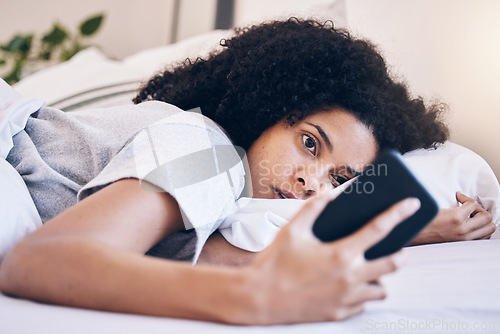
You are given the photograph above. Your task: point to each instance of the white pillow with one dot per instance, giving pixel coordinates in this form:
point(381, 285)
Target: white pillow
point(14, 113)
point(90, 79)
point(452, 168)
point(18, 212)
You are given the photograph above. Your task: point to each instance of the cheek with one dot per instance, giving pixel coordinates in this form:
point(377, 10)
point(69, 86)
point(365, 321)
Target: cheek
point(276, 164)
point(285, 156)
point(274, 154)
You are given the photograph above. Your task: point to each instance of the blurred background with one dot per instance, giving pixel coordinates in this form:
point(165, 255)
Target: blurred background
point(444, 49)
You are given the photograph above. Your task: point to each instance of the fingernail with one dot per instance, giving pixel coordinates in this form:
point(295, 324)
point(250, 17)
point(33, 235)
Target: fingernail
point(413, 203)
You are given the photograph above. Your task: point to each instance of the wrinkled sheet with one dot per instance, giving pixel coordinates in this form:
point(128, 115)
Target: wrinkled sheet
point(444, 288)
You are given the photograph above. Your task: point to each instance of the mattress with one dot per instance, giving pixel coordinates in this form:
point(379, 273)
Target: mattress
point(444, 288)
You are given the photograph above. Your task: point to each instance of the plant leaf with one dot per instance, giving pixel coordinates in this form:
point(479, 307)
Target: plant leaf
point(91, 25)
point(15, 75)
point(56, 36)
point(12, 77)
point(20, 43)
point(45, 54)
point(69, 52)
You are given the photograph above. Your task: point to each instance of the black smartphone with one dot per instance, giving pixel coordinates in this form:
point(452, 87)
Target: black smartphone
point(383, 183)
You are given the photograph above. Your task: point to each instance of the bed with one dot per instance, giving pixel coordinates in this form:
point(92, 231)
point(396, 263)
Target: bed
point(445, 288)
point(449, 287)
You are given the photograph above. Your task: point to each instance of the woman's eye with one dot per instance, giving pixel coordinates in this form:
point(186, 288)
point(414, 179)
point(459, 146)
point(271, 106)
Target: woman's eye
point(337, 180)
point(309, 143)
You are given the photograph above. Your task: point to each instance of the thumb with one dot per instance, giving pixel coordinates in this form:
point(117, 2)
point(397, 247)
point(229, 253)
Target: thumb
point(461, 198)
point(307, 215)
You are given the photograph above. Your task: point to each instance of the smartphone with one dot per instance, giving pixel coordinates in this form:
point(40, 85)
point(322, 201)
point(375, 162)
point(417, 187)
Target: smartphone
point(383, 183)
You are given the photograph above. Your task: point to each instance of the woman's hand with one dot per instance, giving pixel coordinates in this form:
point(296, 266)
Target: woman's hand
point(301, 279)
point(466, 222)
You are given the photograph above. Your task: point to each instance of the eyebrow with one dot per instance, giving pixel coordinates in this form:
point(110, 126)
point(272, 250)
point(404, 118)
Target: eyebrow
point(323, 135)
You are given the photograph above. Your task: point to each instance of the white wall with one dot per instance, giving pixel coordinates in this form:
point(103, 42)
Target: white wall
point(254, 11)
point(129, 25)
point(449, 49)
point(196, 17)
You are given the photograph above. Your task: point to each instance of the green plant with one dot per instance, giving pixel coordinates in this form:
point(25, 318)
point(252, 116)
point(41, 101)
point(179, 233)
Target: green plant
point(56, 45)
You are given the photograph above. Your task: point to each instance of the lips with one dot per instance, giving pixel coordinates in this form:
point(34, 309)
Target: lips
point(281, 194)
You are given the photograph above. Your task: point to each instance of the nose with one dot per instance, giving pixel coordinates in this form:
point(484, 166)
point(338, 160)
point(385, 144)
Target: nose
point(313, 181)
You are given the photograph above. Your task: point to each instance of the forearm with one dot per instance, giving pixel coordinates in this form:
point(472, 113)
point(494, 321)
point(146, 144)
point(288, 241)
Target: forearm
point(84, 273)
point(218, 251)
point(426, 237)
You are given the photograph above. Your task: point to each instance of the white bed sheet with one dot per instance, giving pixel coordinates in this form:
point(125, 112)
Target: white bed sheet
point(444, 288)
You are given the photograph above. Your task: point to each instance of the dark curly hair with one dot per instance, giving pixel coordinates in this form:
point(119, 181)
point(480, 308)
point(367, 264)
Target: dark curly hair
point(290, 70)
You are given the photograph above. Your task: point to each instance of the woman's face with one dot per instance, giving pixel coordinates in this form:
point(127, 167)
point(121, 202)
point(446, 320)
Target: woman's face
point(323, 150)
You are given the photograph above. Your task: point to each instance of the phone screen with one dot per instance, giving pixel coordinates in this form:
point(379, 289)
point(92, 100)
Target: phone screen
point(383, 183)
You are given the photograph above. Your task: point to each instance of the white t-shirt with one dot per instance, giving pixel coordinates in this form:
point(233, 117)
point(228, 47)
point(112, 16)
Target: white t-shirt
point(65, 157)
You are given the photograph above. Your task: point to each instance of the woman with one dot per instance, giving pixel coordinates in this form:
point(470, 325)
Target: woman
point(294, 94)
point(293, 69)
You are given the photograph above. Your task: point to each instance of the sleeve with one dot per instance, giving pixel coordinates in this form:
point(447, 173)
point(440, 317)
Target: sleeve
point(189, 157)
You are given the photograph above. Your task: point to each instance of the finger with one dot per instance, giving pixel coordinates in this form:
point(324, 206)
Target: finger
point(467, 202)
point(365, 293)
point(462, 198)
point(479, 209)
point(486, 238)
point(478, 221)
point(468, 207)
point(345, 312)
point(484, 232)
point(374, 269)
point(481, 217)
point(311, 210)
point(381, 225)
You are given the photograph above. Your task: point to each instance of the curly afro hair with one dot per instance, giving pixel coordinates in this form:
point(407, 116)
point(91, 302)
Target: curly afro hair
point(288, 70)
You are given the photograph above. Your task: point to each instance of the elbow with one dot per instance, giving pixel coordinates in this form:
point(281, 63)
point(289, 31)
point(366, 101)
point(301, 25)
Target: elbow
point(14, 270)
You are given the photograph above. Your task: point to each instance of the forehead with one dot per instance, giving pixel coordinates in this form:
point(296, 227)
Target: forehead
point(336, 116)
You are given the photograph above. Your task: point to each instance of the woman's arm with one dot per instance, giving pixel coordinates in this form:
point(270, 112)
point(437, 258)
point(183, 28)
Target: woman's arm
point(92, 256)
point(218, 251)
point(467, 222)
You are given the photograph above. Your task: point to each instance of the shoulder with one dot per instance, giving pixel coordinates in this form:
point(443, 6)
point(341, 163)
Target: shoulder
point(190, 121)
